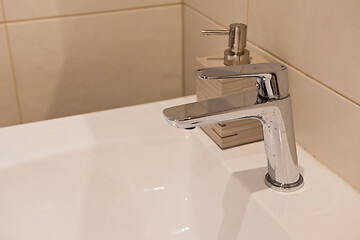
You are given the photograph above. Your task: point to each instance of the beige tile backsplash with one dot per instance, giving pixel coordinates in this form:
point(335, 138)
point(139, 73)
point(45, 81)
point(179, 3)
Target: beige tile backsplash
point(327, 125)
point(90, 62)
point(321, 38)
point(197, 45)
point(9, 113)
point(82, 64)
point(29, 9)
point(224, 12)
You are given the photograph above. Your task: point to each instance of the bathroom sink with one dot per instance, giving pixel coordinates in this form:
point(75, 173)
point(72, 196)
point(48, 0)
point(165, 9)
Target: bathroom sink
point(127, 174)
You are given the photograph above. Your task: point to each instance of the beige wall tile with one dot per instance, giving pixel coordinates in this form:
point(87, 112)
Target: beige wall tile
point(27, 9)
point(326, 124)
point(196, 45)
point(223, 12)
point(9, 114)
point(319, 37)
point(89, 63)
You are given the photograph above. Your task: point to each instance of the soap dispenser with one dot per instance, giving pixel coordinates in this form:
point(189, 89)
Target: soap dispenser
point(234, 133)
point(236, 53)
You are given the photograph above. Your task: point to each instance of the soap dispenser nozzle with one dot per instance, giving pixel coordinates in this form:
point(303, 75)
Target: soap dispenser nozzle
point(236, 53)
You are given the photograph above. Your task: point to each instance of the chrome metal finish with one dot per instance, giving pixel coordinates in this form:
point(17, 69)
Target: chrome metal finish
point(237, 37)
point(215, 32)
point(270, 104)
point(271, 183)
point(236, 53)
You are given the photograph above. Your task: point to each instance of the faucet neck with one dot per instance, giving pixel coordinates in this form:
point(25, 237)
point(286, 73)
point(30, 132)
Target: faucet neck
point(280, 145)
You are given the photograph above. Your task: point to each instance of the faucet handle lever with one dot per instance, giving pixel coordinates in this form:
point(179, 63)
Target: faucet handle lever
point(272, 82)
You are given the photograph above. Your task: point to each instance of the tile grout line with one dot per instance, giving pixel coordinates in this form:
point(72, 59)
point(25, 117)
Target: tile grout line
point(183, 85)
point(302, 72)
point(12, 65)
point(2, 21)
point(92, 13)
point(205, 16)
point(247, 12)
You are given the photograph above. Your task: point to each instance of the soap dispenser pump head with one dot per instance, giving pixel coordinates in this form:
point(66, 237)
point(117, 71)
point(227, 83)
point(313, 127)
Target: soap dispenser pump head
point(236, 54)
point(237, 37)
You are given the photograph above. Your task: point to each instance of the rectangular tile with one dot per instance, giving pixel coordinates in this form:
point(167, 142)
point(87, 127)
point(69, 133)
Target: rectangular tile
point(9, 114)
point(196, 45)
point(326, 124)
point(82, 64)
point(319, 37)
point(223, 12)
point(28, 9)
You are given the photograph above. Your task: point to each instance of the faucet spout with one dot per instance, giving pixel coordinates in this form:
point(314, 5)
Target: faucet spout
point(270, 104)
point(216, 110)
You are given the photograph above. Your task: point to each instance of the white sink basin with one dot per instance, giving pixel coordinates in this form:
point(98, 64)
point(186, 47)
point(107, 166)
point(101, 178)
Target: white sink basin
point(127, 174)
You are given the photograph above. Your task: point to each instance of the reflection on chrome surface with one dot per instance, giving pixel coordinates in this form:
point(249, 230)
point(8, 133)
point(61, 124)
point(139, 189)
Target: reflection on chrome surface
point(270, 104)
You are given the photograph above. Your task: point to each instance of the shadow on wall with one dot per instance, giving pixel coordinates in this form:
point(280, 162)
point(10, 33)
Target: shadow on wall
point(106, 61)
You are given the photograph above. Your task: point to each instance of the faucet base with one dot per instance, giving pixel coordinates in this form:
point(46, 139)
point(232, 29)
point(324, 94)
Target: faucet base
point(284, 187)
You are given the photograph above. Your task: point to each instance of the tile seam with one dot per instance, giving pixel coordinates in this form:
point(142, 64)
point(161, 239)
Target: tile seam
point(2, 12)
point(12, 65)
point(204, 15)
point(92, 13)
point(247, 12)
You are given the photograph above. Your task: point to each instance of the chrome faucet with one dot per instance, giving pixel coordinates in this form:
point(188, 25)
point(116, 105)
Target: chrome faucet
point(270, 104)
